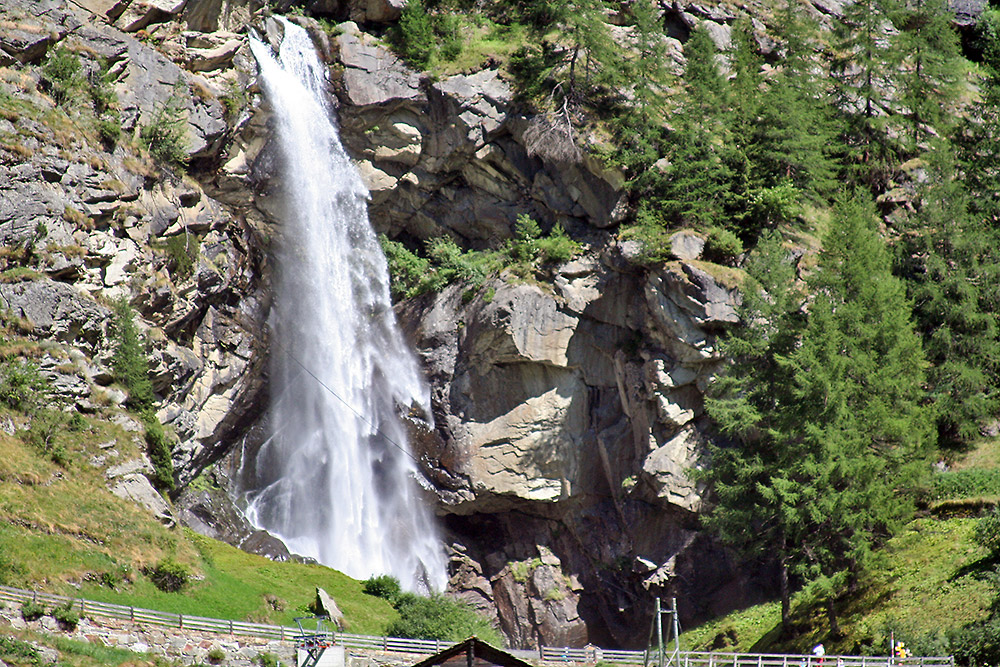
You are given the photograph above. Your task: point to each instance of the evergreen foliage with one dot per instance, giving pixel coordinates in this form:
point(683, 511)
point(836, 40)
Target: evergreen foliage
point(932, 69)
point(446, 262)
point(415, 34)
point(129, 362)
point(948, 256)
point(864, 69)
point(131, 368)
point(830, 425)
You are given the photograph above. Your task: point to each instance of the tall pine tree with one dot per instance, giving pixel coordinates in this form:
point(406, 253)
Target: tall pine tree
point(821, 451)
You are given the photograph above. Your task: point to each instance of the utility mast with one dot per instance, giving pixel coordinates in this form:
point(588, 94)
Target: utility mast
point(662, 660)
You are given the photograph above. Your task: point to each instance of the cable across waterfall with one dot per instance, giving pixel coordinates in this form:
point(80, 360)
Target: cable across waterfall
point(335, 480)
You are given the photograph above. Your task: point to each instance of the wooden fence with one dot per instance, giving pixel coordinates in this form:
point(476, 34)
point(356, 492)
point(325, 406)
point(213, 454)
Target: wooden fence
point(546, 654)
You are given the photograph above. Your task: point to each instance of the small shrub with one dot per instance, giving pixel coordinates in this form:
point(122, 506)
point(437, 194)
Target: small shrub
point(43, 435)
point(216, 655)
point(268, 660)
point(164, 136)
point(383, 586)
point(411, 274)
point(21, 385)
point(31, 610)
point(415, 34)
point(67, 617)
point(169, 576)
point(19, 652)
point(439, 617)
point(76, 423)
point(234, 100)
point(63, 74)
point(557, 247)
point(160, 453)
point(183, 250)
point(109, 128)
point(722, 245)
point(776, 204)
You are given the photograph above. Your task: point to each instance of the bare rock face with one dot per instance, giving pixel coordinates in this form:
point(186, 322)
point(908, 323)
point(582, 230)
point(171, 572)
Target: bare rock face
point(566, 422)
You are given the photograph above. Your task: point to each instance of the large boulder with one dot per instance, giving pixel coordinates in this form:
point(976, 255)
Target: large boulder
point(56, 311)
point(154, 90)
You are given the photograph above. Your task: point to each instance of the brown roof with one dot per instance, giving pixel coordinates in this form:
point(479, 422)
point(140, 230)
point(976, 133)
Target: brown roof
point(472, 653)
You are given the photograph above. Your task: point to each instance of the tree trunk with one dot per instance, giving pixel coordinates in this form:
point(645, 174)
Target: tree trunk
point(831, 615)
point(786, 598)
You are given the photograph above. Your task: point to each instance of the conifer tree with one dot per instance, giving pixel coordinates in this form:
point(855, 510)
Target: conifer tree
point(821, 451)
point(696, 186)
point(747, 402)
point(978, 139)
point(949, 259)
point(796, 132)
point(932, 69)
point(864, 69)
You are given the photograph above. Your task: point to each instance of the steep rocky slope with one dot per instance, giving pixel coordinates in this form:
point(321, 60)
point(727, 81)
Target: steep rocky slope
point(566, 411)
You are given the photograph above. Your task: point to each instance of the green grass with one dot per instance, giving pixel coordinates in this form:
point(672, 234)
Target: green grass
point(483, 41)
point(738, 631)
point(17, 650)
point(62, 531)
point(245, 587)
point(931, 580)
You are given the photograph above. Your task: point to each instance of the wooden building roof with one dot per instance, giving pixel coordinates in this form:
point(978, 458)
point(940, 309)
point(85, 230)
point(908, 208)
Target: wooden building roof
point(472, 653)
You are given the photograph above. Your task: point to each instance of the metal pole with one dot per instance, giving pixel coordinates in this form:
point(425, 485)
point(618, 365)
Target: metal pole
point(677, 627)
point(659, 633)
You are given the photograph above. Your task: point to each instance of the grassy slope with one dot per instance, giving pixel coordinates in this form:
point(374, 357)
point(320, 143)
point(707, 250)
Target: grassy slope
point(932, 579)
point(62, 531)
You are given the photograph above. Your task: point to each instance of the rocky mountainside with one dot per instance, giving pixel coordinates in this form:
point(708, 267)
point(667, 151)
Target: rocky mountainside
point(567, 411)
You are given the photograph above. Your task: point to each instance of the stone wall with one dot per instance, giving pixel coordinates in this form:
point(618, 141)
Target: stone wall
point(184, 645)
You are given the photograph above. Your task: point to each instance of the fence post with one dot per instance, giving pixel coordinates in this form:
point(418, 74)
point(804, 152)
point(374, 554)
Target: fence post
point(180, 621)
point(131, 614)
point(230, 626)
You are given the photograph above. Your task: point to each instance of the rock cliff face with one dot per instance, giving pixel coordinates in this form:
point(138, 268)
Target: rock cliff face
point(567, 411)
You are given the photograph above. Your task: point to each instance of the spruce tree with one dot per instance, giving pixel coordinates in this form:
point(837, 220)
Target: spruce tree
point(932, 67)
point(821, 451)
point(696, 186)
point(949, 259)
point(864, 68)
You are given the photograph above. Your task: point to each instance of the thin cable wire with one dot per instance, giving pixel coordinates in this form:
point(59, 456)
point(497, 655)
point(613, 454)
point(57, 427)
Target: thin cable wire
point(348, 405)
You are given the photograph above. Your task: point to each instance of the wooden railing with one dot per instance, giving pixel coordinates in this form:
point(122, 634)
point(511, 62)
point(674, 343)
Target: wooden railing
point(547, 654)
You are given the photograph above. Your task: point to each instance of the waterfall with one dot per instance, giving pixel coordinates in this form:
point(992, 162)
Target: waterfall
point(335, 480)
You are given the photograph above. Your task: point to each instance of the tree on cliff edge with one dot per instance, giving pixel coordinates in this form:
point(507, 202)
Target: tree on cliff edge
point(828, 422)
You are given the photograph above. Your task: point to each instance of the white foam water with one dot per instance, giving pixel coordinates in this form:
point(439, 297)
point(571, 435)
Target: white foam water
point(335, 481)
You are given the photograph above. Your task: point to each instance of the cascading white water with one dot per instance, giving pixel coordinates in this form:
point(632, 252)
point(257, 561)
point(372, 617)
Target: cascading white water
point(334, 480)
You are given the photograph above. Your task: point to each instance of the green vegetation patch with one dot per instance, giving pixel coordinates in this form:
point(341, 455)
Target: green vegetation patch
point(233, 584)
point(932, 580)
point(963, 484)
